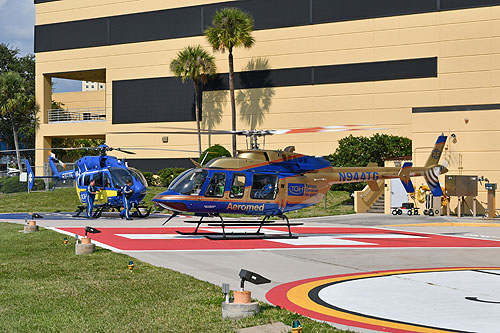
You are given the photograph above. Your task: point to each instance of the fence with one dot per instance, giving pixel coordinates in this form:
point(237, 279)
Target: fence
point(77, 115)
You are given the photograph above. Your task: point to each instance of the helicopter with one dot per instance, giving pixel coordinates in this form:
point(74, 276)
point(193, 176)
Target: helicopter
point(271, 183)
point(110, 175)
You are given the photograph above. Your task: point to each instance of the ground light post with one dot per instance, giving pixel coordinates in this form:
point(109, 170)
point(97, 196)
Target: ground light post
point(242, 306)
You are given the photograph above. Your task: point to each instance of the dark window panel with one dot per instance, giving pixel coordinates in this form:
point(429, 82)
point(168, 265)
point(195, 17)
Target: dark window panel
point(267, 14)
point(325, 11)
point(71, 35)
point(451, 108)
point(273, 78)
point(152, 100)
point(458, 4)
point(376, 71)
point(262, 79)
point(42, 1)
point(188, 21)
point(170, 100)
point(157, 25)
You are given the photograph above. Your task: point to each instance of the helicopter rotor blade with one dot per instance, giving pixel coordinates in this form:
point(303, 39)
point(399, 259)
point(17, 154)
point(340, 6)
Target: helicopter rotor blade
point(337, 128)
point(162, 149)
point(46, 149)
point(125, 151)
point(249, 133)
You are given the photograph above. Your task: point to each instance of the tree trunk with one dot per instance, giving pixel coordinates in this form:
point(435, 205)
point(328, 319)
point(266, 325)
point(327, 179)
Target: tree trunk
point(16, 145)
point(197, 113)
point(233, 103)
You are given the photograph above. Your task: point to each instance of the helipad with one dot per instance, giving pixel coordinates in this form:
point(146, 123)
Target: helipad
point(418, 300)
point(167, 239)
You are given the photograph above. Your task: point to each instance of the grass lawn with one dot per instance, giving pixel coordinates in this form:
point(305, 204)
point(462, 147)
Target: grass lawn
point(66, 200)
point(61, 199)
point(44, 287)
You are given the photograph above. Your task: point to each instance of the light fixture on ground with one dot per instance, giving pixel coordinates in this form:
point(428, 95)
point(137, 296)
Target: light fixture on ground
point(131, 265)
point(85, 246)
point(296, 327)
point(242, 306)
point(30, 226)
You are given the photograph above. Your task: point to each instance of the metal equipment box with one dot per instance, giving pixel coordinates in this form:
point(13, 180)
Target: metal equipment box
point(461, 186)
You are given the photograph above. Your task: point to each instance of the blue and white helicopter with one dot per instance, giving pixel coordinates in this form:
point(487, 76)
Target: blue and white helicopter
point(110, 175)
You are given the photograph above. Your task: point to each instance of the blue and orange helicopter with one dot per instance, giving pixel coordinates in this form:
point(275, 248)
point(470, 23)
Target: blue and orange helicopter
point(271, 183)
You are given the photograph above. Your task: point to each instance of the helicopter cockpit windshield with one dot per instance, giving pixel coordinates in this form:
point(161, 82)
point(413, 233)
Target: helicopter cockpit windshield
point(191, 182)
point(139, 176)
point(119, 176)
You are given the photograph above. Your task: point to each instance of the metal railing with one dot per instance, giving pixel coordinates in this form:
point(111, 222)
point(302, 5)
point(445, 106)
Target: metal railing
point(77, 115)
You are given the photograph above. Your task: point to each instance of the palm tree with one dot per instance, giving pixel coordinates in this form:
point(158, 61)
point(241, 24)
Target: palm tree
point(231, 27)
point(15, 102)
point(195, 63)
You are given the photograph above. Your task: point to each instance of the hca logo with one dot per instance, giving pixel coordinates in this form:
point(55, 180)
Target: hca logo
point(295, 189)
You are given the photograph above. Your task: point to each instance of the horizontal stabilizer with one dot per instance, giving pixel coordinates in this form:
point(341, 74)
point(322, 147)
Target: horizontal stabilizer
point(404, 175)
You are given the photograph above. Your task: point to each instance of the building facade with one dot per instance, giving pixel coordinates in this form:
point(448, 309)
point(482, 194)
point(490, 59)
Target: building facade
point(413, 68)
point(92, 86)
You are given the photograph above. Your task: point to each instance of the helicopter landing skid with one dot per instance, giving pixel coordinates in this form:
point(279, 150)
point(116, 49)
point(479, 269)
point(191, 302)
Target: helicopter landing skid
point(231, 236)
point(241, 235)
point(138, 212)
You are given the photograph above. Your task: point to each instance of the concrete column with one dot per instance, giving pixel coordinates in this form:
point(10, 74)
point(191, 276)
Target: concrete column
point(43, 93)
point(41, 156)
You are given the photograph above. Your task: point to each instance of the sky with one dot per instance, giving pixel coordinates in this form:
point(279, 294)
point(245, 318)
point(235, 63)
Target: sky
point(17, 21)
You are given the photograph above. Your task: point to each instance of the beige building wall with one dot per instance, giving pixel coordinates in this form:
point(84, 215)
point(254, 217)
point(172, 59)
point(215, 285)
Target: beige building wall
point(81, 99)
point(465, 42)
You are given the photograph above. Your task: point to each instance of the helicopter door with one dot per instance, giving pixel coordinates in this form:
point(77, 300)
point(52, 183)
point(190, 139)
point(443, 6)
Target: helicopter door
point(101, 196)
point(264, 187)
point(238, 186)
point(216, 185)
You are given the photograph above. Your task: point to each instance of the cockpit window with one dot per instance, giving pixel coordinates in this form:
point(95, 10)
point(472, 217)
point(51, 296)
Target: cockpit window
point(264, 187)
point(176, 179)
point(216, 186)
point(139, 176)
point(191, 182)
point(119, 176)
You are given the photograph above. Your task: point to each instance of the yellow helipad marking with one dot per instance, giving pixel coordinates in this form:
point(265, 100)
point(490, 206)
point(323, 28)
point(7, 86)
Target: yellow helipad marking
point(447, 224)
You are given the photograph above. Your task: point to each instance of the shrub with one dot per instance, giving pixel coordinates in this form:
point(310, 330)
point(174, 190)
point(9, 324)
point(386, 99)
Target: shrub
point(359, 151)
point(13, 185)
point(168, 175)
point(149, 178)
point(215, 151)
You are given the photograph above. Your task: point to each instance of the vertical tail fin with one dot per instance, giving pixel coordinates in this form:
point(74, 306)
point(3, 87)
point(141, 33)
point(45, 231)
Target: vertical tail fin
point(436, 151)
point(52, 163)
point(431, 176)
point(404, 175)
point(31, 176)
point(433, 169)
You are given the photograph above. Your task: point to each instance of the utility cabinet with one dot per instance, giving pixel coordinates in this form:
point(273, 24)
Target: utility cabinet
point(461, 186)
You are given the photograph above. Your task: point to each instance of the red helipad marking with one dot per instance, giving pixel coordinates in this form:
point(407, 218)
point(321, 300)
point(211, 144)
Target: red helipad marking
point(166, 239)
